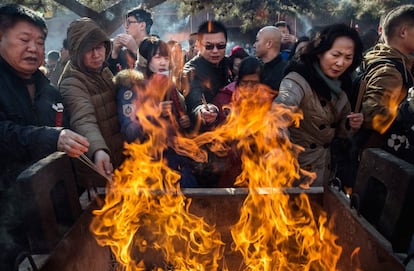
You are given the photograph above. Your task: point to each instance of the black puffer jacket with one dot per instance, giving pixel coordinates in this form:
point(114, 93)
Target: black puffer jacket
point(27, 130)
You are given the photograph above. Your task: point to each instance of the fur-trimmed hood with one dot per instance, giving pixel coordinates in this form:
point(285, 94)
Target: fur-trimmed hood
point(128, 78)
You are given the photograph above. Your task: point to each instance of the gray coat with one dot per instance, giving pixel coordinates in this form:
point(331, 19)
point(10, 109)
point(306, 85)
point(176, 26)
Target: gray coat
point(320, 124)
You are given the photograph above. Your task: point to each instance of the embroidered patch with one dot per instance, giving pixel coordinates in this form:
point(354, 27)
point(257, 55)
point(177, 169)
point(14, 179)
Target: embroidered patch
point(127, 109)
point(128, 95)
point(58, 107)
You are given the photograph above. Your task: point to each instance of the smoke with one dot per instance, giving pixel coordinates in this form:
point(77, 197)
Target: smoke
point(57, 27)
point(167, 26)
point(305, 23)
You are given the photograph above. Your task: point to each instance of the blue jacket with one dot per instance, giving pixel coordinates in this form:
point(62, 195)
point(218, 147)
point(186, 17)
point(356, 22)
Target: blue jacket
point(131, 129)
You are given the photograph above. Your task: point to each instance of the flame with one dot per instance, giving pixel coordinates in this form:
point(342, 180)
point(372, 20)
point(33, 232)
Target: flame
point(145, 211)
point(390, 101)
point(355, 258)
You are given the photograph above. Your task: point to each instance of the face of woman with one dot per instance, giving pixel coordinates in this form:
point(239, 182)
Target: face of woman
point(336, 60)
point(23, 47)
point(249, 80)
point(251, 88)
point(159, 64)
point(95, 57)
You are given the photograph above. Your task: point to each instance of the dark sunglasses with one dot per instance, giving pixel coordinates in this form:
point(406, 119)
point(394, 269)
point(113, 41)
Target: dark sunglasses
point(219, 46)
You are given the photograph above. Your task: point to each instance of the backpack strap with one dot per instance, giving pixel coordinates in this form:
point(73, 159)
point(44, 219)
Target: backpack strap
point(407, 80)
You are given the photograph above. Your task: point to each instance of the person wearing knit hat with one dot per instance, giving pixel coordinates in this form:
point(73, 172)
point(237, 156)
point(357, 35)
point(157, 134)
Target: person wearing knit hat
point(89, 93)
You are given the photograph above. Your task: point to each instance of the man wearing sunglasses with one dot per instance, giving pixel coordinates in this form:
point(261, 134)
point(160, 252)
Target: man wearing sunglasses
point(209, 72)
point(138, 22)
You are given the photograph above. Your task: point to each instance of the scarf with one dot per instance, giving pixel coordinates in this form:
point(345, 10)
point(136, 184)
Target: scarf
point(333, 84)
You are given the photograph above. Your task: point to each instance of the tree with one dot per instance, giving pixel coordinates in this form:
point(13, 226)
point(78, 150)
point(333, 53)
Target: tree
point(366, 12)
point(252, 13)
point(106, 13)
point(248, 13)
point(109, 17)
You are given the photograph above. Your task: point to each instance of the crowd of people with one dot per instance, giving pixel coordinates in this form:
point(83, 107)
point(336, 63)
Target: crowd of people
point(86, 103)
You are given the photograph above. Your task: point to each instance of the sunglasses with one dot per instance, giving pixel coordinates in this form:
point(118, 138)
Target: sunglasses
point(219, 46)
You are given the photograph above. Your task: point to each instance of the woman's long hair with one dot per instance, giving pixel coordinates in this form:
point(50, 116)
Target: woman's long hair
point(324, 40)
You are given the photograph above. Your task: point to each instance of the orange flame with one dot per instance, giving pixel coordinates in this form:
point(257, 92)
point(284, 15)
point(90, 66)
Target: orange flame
point(145, 212)
point(138, 218)
point(355, 258)
point(382, 121)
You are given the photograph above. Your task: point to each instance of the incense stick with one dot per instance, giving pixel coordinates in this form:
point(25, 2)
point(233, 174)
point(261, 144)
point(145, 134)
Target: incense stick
point(204, 101)
point(88, 162)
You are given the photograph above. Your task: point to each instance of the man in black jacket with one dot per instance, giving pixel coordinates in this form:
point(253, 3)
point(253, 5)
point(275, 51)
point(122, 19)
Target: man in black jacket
point(267, 46)
point(209, 72)
point(31, 118)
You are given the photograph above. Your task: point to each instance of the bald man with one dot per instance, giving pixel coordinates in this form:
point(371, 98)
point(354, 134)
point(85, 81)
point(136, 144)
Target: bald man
point(267, 49)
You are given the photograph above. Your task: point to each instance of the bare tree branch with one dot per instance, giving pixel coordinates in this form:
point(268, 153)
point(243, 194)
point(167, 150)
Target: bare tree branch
point(111, 18)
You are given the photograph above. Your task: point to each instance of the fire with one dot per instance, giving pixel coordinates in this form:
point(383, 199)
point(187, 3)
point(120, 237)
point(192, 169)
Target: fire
point(382, 121)
point(145, 211)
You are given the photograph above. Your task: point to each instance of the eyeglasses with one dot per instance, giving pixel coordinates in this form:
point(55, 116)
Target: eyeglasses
point(219, 46)
point(128, 22)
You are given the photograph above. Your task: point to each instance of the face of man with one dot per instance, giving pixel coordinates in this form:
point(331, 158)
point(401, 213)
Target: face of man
point(23, 47)
point(408, 39)
point(213, 47)
point(134, 28)
point(94, 58)
point(51, 63)
point(260, 44)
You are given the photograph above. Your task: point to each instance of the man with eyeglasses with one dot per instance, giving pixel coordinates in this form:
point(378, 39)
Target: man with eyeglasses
point(209, 72)
point(137, 25)
point(267, 49)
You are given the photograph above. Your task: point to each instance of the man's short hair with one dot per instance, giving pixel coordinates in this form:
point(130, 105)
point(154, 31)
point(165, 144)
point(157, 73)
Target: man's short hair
point(400, 15)
point(10, 14)
point(53, 55)
point(211, 27)
point(142, 15)
point(283, 24)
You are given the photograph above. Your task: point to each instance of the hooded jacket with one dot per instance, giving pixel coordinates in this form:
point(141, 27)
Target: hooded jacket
point(90, 95)
point(384, 89)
